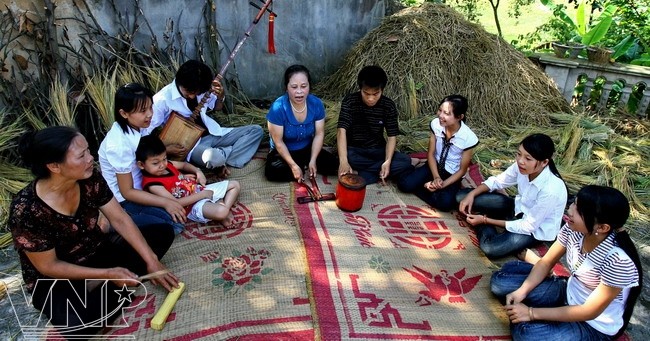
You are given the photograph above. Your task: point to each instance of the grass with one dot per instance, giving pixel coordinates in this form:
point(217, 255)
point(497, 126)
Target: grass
point(532, 16)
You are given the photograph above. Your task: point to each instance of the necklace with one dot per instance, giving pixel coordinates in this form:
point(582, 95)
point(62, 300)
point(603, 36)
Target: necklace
point(296, 110)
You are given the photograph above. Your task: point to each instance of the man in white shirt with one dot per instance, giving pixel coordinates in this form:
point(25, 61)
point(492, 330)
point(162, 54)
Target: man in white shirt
point(218, 146)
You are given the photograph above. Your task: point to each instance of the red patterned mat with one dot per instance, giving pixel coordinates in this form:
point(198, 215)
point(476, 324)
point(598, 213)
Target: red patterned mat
point(396, 269)
point(245, 283)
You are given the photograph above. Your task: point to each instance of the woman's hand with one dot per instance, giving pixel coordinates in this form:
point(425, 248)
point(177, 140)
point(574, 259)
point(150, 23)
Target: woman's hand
point(433, 185)
point(122, 276)
point(476, 219)
point(168, 280)
point(465, 205)
point(312, 168)
point(515, 297)
point(297, 172)
point(518, 312)
point(176, 210)
point(200, 177)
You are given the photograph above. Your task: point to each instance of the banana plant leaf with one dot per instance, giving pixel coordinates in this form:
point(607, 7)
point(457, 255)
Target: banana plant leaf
point(598, 32)
point(622, 47)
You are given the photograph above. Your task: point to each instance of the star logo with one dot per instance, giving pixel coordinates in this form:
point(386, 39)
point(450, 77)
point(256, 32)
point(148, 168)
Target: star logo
point(125, 294)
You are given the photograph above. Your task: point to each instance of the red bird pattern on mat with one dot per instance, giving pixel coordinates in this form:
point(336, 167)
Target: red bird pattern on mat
point(441, 285)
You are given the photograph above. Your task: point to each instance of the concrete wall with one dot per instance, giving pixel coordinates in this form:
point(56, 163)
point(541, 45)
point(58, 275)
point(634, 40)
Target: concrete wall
point(314, 33)
point(565, 73)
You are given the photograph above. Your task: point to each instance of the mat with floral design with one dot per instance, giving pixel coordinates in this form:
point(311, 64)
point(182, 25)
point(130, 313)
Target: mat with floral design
point(243, 283)
point(396, 269)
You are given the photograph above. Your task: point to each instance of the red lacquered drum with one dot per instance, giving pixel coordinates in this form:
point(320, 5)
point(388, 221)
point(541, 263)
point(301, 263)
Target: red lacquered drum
point(350, 192)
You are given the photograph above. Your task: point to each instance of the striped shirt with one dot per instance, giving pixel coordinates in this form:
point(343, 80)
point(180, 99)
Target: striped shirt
point(364, 125)
point(607, 264)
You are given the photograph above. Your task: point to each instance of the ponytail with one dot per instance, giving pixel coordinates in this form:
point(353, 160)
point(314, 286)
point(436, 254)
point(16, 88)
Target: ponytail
point(554, 170)
point(625, 243)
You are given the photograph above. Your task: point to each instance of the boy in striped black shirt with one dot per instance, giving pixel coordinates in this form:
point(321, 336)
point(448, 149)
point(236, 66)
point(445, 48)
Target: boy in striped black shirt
point(364, 117)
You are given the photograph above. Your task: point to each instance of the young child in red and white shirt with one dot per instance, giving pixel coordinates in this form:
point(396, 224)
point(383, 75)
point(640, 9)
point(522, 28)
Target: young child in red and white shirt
point(163, 177)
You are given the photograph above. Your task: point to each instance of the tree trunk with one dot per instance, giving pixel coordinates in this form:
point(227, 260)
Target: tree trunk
point(495, 7)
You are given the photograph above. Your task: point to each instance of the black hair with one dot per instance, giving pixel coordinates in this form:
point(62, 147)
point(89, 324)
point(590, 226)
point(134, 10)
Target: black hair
point(458, 104)
point(149, 146)
point(40, 148)
point(130, 98)
point(194, 76)
point(372, 76)
point(541, 147)
point(607, 205)
point(292, 70)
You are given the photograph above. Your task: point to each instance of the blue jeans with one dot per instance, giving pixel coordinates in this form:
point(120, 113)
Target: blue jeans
point(234, 149)
point(494, 205)
point(147, 215)
point(551, 292)
point(367, 162)
point(442, 199)
point(501, 207)
point(497, 245)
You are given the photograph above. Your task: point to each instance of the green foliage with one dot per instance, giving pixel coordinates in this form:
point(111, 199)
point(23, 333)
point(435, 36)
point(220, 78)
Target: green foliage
point(516, 7)
point(623, 46)
point(623, 24)
point(469, 8)
point(555, 29)
point(410, 3)
point(582, 26)
point(644, 60)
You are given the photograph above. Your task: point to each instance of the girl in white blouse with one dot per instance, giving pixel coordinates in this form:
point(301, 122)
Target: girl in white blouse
point(133, 114)
point(596, 301)
point(451, 147)
point(534, 215)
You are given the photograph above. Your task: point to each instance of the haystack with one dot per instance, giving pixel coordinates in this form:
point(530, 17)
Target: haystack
point(432, 51)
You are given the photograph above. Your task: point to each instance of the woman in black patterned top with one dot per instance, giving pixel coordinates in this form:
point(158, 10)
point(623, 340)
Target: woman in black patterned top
point(54, 224)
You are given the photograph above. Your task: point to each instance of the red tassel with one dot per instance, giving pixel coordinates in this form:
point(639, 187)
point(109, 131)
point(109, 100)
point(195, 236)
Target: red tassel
point(271, 40)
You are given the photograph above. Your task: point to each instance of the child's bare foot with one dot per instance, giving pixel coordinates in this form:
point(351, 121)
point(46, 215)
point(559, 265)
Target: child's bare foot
point(528, 256)
point(229, 221)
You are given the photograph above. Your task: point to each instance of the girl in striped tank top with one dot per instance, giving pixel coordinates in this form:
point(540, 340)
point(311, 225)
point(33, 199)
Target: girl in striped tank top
point(596, 301)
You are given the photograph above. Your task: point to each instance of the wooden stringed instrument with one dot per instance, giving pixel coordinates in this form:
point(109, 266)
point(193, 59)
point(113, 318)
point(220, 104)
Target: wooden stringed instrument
point(184, 131)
